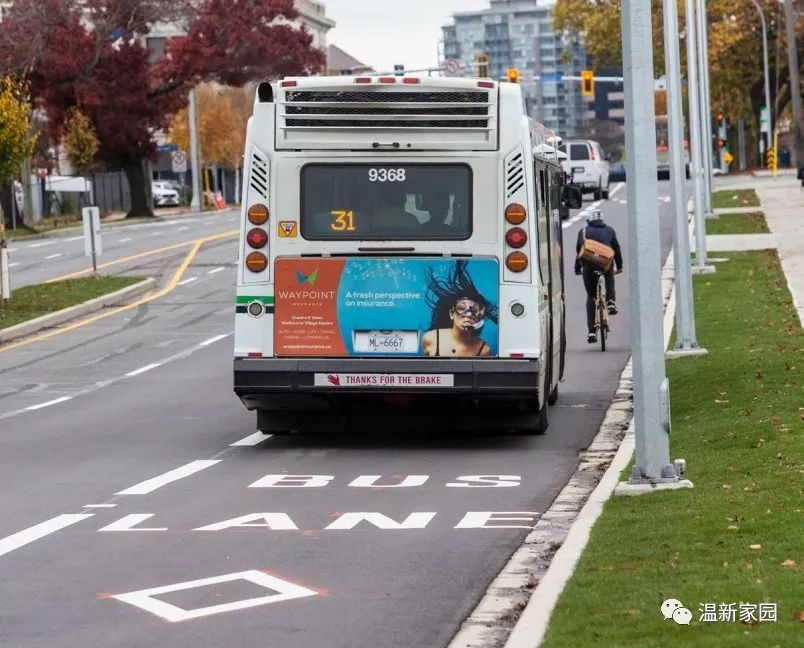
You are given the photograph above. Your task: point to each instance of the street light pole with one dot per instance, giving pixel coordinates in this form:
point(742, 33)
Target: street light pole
point(686, 342)
point(651, 390)
point(195, 202)
point(765, 64)
point(792, 58)
point(705, 104)
point(696, 131)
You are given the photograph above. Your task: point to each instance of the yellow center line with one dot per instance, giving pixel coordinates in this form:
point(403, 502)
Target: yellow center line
point(121, 309)
point(141, 255)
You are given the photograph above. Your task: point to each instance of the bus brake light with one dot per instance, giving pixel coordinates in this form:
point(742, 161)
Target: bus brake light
point(258, 237)
point(516, 237)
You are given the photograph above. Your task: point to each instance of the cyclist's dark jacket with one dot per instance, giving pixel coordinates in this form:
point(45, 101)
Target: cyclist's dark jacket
point(602, 233)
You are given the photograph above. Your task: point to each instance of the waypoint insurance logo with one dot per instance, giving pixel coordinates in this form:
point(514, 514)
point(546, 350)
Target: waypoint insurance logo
point(674, 609)
point(309, 279)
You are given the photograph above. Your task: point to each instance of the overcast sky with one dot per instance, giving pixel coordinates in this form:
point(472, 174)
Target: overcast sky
point(381, 33)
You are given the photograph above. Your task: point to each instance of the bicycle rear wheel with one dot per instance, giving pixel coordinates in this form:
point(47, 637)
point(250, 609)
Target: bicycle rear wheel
point(603, 329)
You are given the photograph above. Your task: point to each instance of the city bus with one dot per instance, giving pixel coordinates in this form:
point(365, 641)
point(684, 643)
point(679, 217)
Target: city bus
point(400, 254)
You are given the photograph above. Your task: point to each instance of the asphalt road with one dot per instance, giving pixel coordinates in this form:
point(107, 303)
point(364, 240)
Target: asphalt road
point(139, 508)
point(36, 260)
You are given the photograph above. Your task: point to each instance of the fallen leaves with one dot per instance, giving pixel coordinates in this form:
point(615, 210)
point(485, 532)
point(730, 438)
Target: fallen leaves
point(789, 563)
point(755, 546)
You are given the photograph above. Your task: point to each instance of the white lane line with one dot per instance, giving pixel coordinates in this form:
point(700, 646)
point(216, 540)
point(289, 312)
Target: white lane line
point(184, 282)
point(11, 265)
point(181, 229)
point(124, 240)
point(74, 238)
point(150, 485)
point(53, 256)
point(214, 270)
point(99, 505)
point(26, 536)
point(142, 370)
point(38, 245)
point(617, 187)
point(252, 439)
point(49, 403)
point(212, 340)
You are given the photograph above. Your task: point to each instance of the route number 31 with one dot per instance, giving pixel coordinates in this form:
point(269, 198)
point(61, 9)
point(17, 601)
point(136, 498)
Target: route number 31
point(344, 221)
point(386, 175)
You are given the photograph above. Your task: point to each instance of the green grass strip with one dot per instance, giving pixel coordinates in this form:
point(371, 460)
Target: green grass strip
point(34, 301)
point(753, 223)
point(734, 198)
point(737, 536)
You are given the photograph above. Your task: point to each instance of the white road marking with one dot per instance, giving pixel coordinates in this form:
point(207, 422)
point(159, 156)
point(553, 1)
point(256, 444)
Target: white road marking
point(99, 505)
point(252, 439)
point(142, 370)
point(26, 536)
point(74, 238)
point(150, 485)
point(214, 270)
point(53, 256)
point(129, 523)
point(184, 282)
point(38, 245)
point(124, 240)
point(49, 403)
point(282, 591)
point(186, 227)
point(11, 265)
point(212, 340)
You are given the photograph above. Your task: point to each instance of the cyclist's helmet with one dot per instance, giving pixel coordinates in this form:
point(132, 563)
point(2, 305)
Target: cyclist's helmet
point(594, 216)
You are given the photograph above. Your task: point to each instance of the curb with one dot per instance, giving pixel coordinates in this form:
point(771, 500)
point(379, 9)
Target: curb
point(516, 608)
point(52, 320)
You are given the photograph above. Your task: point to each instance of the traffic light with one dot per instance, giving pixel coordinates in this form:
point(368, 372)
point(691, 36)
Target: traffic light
point(513, 75)
point(588, 83)
point(482, 62)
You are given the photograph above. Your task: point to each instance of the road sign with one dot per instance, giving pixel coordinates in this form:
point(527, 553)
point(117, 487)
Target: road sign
point(764, 120)
point(728, 157)
point(167, 147)
point(179, 161)
point(92, 234)
point(551, 78)
point(451, 66)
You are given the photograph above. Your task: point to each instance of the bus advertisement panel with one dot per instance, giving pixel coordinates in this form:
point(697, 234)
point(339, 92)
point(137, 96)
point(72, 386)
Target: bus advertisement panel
point(403, 307)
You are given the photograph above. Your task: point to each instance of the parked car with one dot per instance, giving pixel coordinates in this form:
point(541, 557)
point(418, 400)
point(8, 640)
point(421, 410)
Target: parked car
point(587, 166)
point(617, 172)
point(164, 194)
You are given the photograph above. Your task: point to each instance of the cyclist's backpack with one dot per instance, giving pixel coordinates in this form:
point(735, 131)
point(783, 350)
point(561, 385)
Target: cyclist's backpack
point(595, 253)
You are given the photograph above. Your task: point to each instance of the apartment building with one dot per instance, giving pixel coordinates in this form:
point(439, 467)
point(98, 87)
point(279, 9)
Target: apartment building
point(519, 34)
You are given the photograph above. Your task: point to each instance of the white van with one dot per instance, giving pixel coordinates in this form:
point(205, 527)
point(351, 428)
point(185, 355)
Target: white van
point(588, 167)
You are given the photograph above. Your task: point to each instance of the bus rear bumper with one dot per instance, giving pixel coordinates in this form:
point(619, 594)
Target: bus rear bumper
point(274, 383)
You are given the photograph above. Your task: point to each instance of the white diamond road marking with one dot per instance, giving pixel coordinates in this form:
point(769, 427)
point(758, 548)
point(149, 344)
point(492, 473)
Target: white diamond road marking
point(145, 599)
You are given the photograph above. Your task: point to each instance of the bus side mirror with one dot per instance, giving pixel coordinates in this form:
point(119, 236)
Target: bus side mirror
point(571, 196)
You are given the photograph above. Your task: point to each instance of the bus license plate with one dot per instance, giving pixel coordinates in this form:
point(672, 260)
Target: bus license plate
point(386, 341)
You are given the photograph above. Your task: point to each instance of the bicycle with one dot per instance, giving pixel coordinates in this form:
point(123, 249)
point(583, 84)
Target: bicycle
point(601, 310)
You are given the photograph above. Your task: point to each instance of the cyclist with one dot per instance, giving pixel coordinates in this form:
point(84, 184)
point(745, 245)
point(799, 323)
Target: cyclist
point(597, 230)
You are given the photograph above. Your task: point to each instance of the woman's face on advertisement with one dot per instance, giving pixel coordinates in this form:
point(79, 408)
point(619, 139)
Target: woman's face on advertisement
point(467, 313)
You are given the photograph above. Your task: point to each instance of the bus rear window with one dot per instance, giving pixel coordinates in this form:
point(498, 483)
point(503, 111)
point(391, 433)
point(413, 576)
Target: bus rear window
point(386, 201)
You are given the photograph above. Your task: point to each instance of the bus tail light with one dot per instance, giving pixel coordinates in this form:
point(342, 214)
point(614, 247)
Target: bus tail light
point(515, 214)
point(258, 237)
point(485, 84)
point(362, 79)
point(388, 79)
point(516, 237)
point(289, 84)
point(516, 261)
point(411, 80)
point(258, 214)
point(256, 262)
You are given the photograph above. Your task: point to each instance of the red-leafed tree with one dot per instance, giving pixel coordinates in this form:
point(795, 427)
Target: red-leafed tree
point(92, 55)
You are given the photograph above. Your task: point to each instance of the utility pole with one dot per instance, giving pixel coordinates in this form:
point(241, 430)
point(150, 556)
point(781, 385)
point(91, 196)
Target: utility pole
point(686, 342)
point(651, 390)
point(795, 83)
point(195, 178)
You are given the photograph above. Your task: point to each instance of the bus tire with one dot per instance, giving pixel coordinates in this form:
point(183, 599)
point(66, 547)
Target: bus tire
point(537, 422)
point(552, 399)
point(598, 193)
